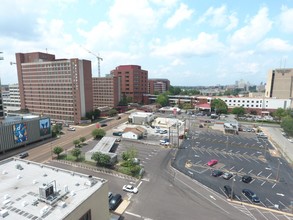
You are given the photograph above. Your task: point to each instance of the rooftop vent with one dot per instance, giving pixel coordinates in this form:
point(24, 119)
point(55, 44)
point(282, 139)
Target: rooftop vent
point(4, 172)
point(19, 177)
point(3, 213)
point(19, 167)
point(6, 196)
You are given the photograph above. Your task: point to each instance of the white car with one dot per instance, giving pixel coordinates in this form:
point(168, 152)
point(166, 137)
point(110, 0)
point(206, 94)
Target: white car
point(71, 129)
point(130, 188)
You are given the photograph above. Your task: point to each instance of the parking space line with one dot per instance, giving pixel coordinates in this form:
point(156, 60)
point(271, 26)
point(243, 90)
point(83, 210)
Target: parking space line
point(274, 185)
point(254, 160)
point(232, 168)
point(270, 202)
point(209, 153)
point(245, 153)
point(269, 175)
point(263, 183)
point(284, 205)
point(223, 155)
point(250, 171)
point(245, 159)
point(252, 154)
point(215, 154)
point(238, 157)
point(237, 152)
point(252, 181)
point(259, 173)
point(216, 148)
point(240, 170)
point(198, 162)
point(262, 204)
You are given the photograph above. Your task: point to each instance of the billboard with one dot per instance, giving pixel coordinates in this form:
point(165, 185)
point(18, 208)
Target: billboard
point(45, 126)
point(20, 132)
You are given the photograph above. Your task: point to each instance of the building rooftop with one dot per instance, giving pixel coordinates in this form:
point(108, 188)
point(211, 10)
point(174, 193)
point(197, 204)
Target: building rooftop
point(36, 191)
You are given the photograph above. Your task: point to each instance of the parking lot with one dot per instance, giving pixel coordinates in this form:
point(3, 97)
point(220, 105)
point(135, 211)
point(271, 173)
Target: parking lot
point(242, 154)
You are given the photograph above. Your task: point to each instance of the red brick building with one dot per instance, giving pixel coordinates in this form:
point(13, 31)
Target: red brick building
point(59, 88)
point(106, 91)
point(158, 85)
point(134, 82)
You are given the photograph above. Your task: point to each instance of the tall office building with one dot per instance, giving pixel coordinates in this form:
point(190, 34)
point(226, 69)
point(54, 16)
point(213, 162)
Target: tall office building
point(158, 85)
point(106, 91)
point(11, 99)
point(134, 82)
point(280, 84)
point(59, 88)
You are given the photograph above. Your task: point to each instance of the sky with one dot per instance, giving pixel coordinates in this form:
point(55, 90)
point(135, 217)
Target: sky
point(191, 42)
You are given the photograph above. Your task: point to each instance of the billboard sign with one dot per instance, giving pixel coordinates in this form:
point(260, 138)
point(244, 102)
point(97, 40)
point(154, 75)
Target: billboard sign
point(20, 132)
point(45, 126)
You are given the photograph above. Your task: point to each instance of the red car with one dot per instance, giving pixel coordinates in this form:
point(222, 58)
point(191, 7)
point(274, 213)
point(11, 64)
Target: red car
point(212, 162)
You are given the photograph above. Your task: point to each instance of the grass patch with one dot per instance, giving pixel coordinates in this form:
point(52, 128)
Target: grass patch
point(69, 157)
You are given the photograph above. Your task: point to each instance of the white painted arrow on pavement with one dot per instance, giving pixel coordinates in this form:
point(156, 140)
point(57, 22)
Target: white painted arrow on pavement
point(280, 194)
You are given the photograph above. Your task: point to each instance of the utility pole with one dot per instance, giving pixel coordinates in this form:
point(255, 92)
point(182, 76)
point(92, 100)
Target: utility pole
point(98, 58)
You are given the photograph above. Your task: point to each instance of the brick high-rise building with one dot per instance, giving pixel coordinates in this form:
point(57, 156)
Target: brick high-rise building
point(59, 88)
point(134, 82)
point(158, 85)
point(106, 91)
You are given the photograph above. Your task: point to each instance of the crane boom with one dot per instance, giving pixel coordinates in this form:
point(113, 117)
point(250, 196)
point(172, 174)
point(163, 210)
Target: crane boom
point(98, 58)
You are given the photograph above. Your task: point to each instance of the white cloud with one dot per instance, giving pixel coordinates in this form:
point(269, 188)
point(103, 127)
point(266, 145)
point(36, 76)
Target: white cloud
point(286, 19)
point(181, 14)
point(177, 62)
point(276, 45)
point(219, 17)
point(205, 44)
point(254, 31)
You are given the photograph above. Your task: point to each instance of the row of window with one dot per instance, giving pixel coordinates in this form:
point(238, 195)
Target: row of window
point(243, 101)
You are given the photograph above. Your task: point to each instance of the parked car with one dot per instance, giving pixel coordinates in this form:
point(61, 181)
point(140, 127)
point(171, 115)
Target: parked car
point(130, 188)
point(163, 131)
point(23, 155)
point(228, 191)
point(217, 173)
point(212, 162)
point(246, 179)
point(104, 125)
point(118, 133)
point(227, 176)
point(251, 195)
point(115, 201)
point(71, 129)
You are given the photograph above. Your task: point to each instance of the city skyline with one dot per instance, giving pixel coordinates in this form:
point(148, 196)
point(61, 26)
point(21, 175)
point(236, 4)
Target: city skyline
point(190, 44)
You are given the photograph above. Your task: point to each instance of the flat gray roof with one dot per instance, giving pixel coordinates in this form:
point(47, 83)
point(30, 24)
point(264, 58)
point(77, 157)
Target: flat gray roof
point(20, 183)
point(104, 145)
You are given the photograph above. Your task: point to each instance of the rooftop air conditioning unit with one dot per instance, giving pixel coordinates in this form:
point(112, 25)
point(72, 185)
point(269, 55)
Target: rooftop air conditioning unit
point(3, 213)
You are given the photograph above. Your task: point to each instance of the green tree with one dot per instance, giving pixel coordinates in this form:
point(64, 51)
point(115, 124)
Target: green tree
point(56, 130)
point(219, 106)
point(239, 111)
point(287, 125)
point(129, 154)
point(112, 112)
point(162, 99)
point(57, 150)
point(76, 152)
point(76, 143)
point(280, 113)
point(102, 159)
point(82, 139)
point(98, 133)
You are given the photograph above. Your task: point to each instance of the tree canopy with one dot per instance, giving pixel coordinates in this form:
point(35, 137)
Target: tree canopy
point(57, 150)
point(239, 111)
point(102, 159)
point(76, 152)
point(162, 99)
point(219, 106)
point(98, 133)
point(287, 125)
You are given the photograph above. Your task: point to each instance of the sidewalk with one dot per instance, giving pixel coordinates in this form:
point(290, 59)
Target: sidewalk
point(280, 142)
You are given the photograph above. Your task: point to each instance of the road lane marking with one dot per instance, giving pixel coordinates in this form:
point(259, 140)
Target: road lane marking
point(213, 197)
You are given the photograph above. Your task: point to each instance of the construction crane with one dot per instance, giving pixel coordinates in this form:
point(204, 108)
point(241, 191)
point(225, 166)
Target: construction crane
point(98, 58)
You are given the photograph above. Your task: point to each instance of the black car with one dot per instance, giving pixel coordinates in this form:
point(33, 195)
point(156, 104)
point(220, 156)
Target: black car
point(217, 173)
point(104, 125)
point(246, 179)
point(23, 155)
point(251, 195)
point(228, 191)
point(115, 201)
